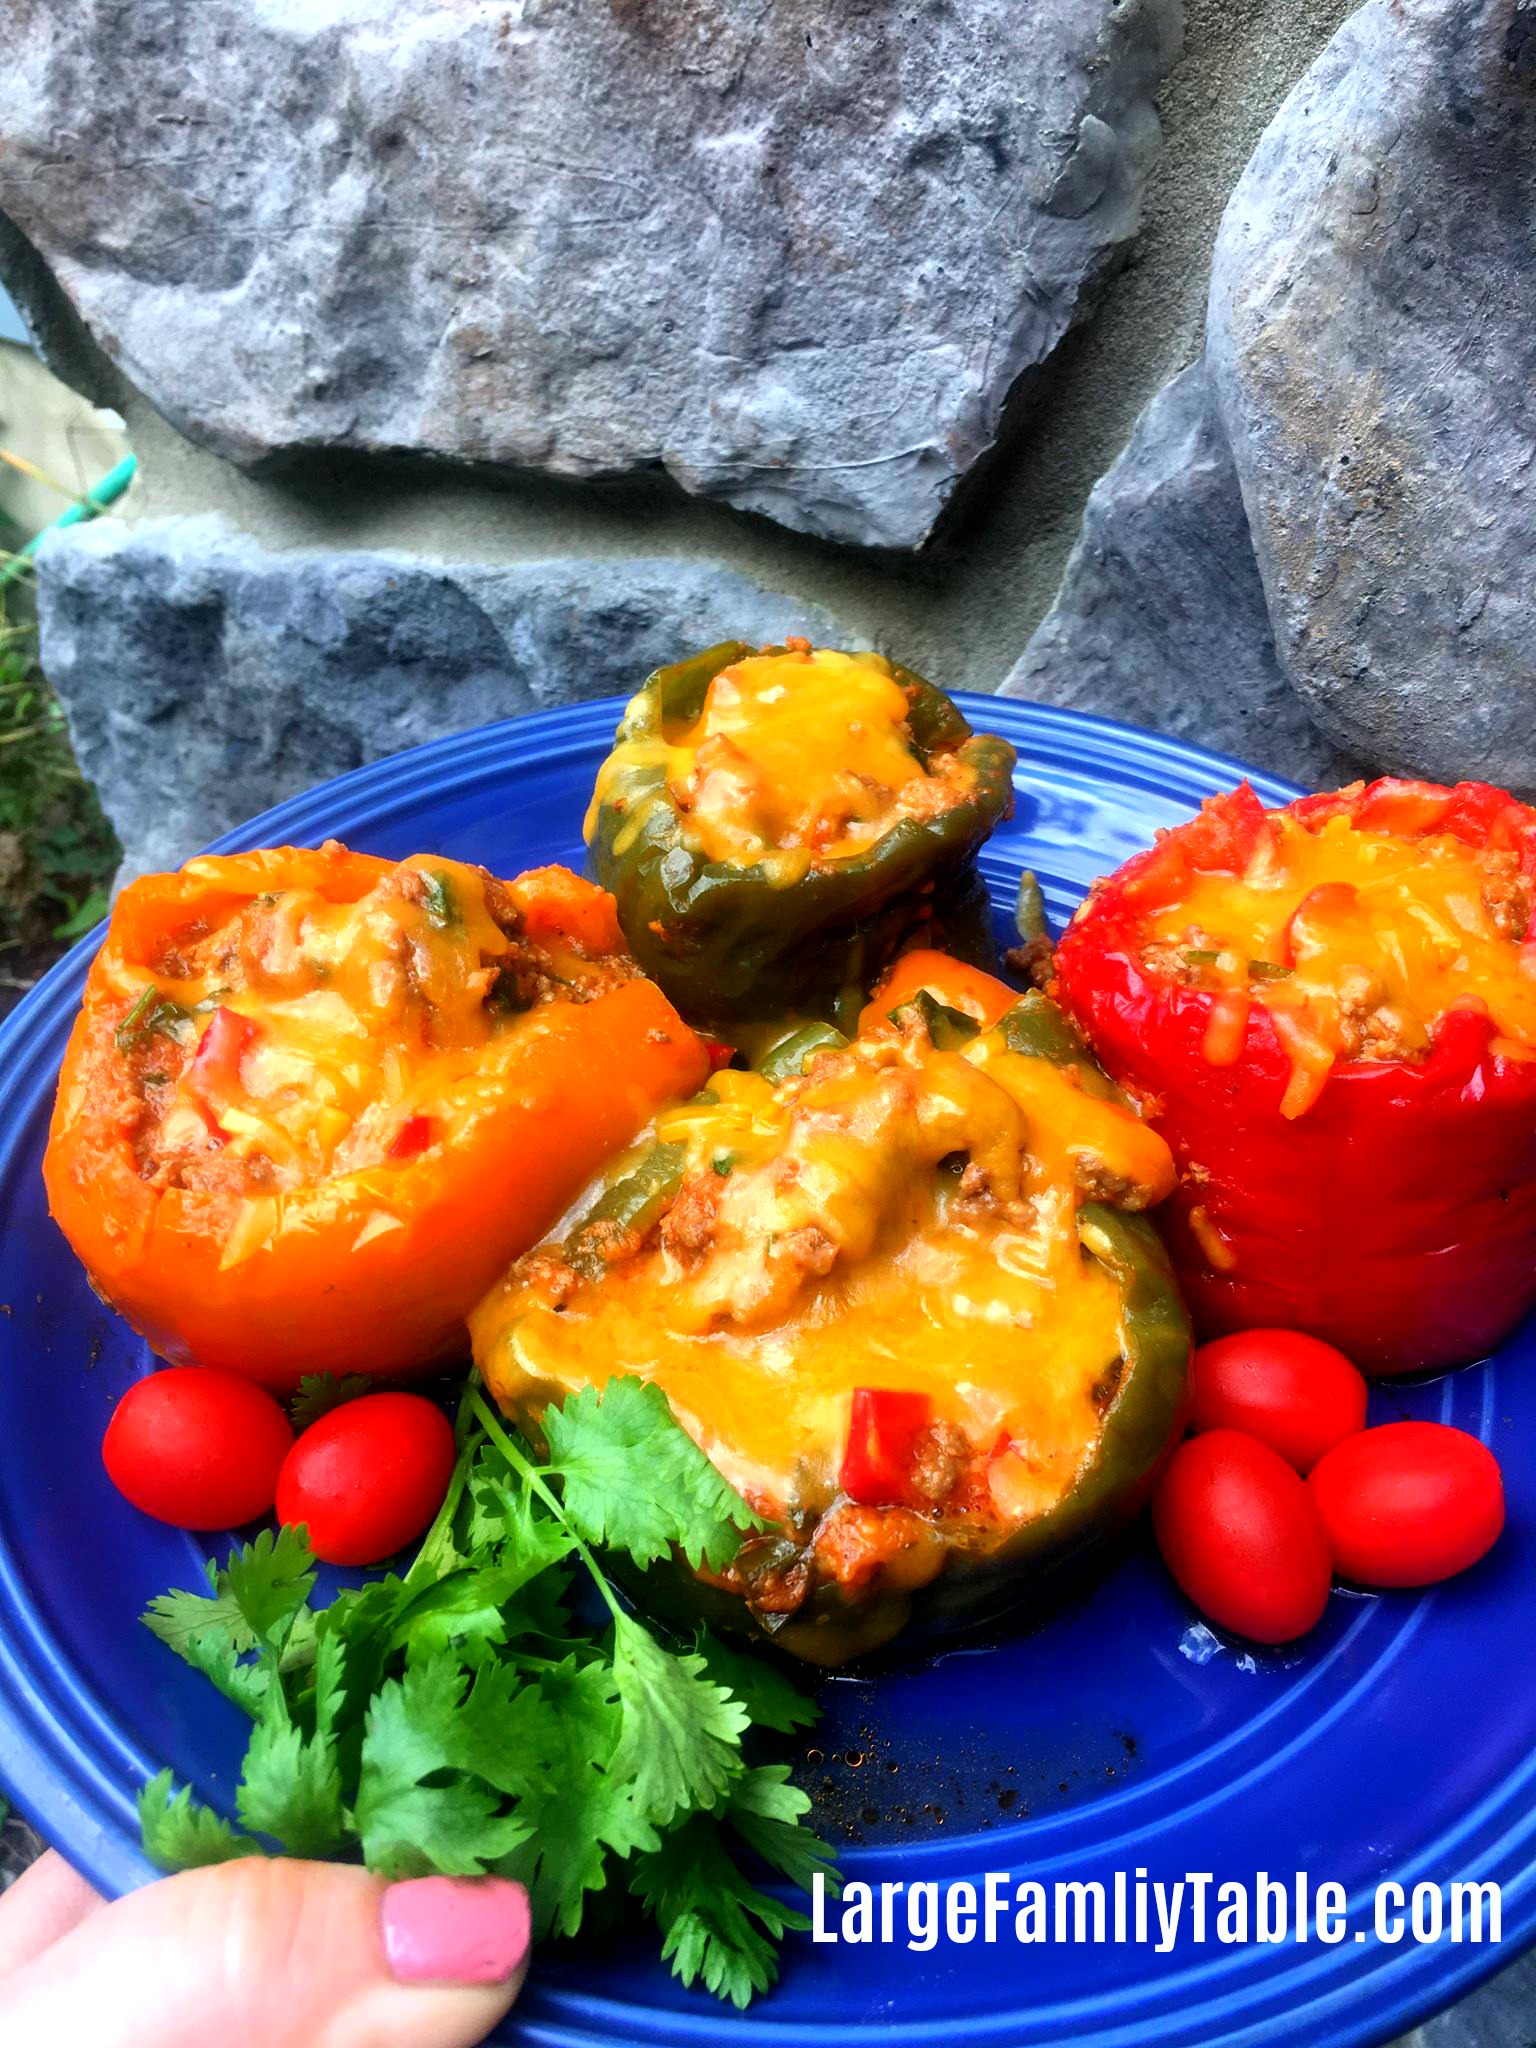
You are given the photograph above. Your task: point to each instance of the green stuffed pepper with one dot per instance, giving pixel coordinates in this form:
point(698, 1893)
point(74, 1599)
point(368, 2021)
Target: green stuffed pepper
point(776, 825)
point(899, 1293)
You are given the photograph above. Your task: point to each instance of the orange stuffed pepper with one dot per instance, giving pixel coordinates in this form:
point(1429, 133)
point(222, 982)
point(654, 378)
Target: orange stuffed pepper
point(315, 1102)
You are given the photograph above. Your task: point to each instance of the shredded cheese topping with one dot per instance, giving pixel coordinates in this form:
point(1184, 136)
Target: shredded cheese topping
point(897, 1217)
point(299, 1037)
point(1357, 943)
point(796, 759)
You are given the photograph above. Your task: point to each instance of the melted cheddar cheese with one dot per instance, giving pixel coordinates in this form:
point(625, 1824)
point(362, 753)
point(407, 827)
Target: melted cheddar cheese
point(299, 1037)
point(895, 1217)
point(796, 758)
point(1356, 942)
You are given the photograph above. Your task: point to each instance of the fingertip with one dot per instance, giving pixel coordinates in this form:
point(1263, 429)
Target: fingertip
point(44, 1903)
point(455, 1930)
point(287, 1954)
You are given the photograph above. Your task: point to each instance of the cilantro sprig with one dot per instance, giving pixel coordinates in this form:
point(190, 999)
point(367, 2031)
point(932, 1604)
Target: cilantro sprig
point(470, 1715)
point(320, 1392)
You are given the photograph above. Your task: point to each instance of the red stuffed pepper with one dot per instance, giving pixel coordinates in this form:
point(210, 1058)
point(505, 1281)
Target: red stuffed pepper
point(1332, 1010)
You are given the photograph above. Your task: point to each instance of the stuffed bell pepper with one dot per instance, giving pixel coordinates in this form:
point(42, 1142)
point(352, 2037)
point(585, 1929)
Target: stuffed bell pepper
point(315, 1101)
point(1332, 1010)
point(775, 826)
point(898, 1292)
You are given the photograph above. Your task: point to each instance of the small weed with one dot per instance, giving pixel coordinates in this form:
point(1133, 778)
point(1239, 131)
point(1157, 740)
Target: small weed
point(57, 851)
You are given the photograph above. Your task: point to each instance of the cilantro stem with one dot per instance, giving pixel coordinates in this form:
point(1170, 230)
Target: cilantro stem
point(426, 1563)
point(536, 1480)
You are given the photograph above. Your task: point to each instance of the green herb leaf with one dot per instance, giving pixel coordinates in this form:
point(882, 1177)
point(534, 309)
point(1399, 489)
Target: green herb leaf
point(771, 1698)
point(461, 1719)
point(180, 1833)
point(410, 1827)
point(633, 1479)
point(320, 1392)
point(680, 1738)
point(269, 1581)
point(177, 1617)
point(441, 904)
point(585, 1811)
point(154, 1015)
point(717, 1928)
point(766, 1810)
point(90, 910)
point(290, 1788)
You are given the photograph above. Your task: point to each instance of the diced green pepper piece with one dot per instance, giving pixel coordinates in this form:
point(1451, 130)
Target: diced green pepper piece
point(947, 1029)
point(792, 1051)
point(440, 903)
point(631, 1205)
point(1029, 911)
point(1039, 1030)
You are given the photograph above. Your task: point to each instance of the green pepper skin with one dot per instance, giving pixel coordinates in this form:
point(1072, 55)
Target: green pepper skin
point(728, 942)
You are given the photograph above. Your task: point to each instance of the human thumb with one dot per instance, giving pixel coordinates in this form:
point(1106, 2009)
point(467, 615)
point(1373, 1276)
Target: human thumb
point(272, 1953)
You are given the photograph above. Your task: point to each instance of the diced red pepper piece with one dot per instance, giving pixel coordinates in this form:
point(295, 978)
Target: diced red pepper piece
point(1331, 903)
point(883, 1434)
point(1396, 804)
point(720, 1054)
point(214, 1075)
point(412, 1138)
point(1223, 839)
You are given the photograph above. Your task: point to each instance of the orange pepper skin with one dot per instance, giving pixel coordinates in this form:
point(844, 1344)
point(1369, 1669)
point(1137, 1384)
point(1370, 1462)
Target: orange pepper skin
point(372, 1270)
point(953, 982)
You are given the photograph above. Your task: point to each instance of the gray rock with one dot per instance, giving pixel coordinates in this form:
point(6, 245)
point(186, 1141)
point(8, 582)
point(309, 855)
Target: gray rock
point(206, 677)
point(795, 253)
point(1372, 347)
point(1160, 619)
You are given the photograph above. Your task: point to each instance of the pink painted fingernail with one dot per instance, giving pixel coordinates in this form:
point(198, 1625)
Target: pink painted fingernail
point(455, 1930)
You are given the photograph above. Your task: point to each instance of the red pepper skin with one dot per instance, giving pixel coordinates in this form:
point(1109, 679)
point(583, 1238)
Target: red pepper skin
point(884, 1430)
point(1396, 1217)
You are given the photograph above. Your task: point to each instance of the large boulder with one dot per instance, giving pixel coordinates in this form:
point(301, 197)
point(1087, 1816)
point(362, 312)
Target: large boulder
point(798, 255)
point(1160, 619)
point(206, 677)
point(1372, 347)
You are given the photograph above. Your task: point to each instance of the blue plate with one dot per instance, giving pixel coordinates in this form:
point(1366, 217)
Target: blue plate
point(1399, 1742)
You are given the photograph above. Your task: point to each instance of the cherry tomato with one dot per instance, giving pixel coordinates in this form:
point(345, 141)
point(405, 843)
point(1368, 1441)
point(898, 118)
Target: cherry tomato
point(197, 1448)
point(1409, 1504)
point(1242, 1537)
point(1294, 1393)
point(368, 1477)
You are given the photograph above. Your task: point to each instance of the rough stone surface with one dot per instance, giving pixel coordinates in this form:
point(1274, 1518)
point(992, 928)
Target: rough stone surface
point(1160, 619)
point(1372, 346)
point(795, 253)
point(206, 677)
